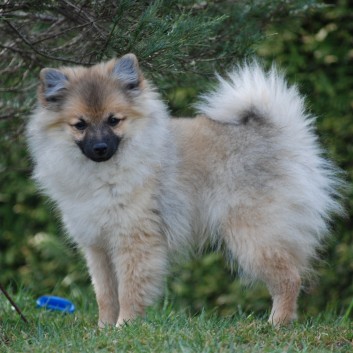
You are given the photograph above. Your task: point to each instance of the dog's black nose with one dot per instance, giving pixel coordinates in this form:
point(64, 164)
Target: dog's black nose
point(100, 148)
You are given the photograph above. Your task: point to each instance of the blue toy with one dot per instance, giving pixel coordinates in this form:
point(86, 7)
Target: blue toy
point(51, 302)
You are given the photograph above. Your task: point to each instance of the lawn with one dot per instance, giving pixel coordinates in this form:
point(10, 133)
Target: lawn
point(164, 330)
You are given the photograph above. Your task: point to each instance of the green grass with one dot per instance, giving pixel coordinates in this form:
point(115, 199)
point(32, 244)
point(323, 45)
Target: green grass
point(164, 330)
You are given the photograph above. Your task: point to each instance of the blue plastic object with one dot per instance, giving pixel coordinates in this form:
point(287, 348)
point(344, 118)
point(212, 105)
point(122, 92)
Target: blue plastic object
point(51, 302)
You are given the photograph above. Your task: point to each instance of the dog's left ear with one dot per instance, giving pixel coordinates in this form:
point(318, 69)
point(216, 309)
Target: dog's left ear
point(128, 73)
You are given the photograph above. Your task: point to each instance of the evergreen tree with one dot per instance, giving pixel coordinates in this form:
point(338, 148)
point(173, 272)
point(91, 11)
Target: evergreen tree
point(179, 43)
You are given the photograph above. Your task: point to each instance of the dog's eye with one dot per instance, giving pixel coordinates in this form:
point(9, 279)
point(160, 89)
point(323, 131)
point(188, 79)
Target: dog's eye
point(81, 125)
point(131, 86)
point(113, 121)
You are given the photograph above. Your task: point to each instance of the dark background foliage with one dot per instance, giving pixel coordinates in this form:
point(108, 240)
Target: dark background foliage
point(179, 44)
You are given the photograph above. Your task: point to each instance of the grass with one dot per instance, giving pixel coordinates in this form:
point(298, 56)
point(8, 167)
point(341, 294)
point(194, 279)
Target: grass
point(164, 330)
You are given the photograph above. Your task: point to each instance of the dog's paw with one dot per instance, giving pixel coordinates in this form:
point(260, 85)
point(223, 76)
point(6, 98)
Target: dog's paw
point(121, 323)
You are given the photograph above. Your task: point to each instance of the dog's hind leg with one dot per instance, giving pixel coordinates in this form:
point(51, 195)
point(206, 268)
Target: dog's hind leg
point(284, 287)
point(141, 265)
point(105, 284)
point(265, 257)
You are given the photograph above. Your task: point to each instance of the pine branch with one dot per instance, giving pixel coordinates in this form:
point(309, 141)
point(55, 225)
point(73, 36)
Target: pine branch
point(175, 41)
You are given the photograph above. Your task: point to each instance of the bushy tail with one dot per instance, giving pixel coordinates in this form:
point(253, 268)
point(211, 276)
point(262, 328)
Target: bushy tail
point(250, 89)
point(252, 93)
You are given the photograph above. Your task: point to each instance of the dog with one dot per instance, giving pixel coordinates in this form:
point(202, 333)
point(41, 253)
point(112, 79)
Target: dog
point(134, 186)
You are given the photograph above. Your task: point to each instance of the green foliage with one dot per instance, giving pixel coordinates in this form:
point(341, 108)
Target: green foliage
point(180, 44)
point(207, 283)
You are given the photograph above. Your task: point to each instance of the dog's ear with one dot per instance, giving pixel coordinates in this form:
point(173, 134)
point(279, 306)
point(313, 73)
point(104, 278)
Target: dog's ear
point(127, 71)
point(53, 87)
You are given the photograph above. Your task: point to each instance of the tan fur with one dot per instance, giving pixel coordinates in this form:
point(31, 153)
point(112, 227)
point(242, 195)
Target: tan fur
point(105, 285)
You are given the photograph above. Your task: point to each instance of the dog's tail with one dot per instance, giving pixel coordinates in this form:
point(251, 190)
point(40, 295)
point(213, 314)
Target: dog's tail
point(250, 91)
point(258, 99)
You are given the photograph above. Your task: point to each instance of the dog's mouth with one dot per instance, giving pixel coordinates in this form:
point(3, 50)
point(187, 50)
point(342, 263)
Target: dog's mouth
point(100, 159)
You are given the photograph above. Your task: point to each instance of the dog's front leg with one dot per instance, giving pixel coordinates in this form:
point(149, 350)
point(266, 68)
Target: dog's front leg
point(105, 284)
point(141, 265)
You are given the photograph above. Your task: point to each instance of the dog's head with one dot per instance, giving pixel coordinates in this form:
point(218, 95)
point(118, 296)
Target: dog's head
point(95, 107)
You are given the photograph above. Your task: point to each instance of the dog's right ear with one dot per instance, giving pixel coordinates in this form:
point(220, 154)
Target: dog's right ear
point(53, 88)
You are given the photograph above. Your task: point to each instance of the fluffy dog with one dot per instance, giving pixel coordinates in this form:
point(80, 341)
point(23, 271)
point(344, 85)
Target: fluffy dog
point(135, 186)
